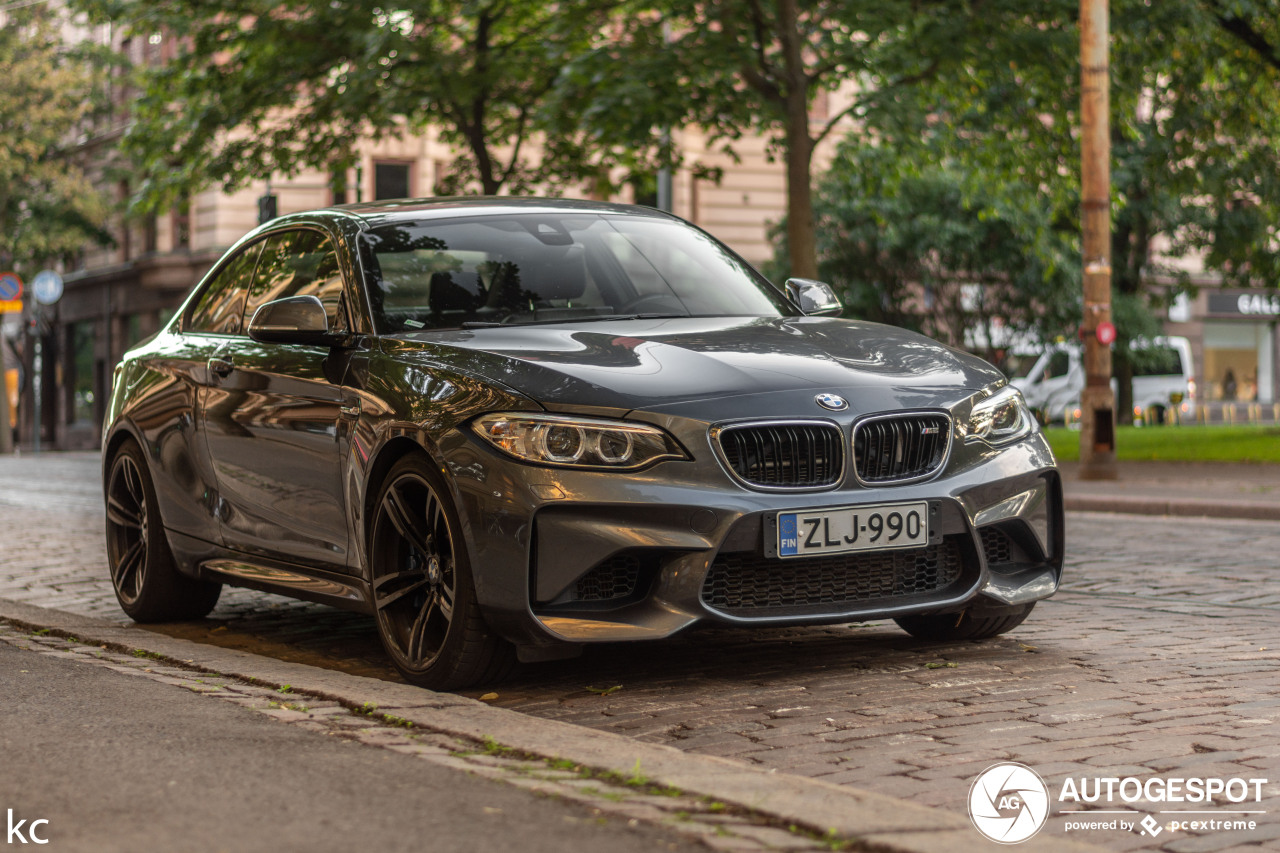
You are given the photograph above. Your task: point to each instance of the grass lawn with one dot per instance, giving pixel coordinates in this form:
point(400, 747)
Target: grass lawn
point(1179, 444)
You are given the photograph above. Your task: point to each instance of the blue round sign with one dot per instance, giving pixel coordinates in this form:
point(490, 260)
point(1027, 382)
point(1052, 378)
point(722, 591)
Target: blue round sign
point(47, 286)
point(10, 287)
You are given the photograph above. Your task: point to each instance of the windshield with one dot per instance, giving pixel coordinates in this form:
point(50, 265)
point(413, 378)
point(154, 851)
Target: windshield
point(539, 268)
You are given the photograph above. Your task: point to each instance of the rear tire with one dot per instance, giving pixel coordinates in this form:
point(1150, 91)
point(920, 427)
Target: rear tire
point(144, 573)
point(422, 587)
point(963, 625)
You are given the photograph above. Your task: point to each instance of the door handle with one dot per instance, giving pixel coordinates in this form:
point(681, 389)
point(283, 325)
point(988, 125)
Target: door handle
point(220, 366)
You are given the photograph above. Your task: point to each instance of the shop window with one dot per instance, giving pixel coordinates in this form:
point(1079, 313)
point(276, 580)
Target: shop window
point(82, 366)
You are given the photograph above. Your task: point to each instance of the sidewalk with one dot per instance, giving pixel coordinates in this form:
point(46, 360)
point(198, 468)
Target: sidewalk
point(1218, 490)
point(774, 810)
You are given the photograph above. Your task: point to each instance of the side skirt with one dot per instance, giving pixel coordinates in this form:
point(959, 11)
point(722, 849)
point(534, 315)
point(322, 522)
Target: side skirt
point(212, 562)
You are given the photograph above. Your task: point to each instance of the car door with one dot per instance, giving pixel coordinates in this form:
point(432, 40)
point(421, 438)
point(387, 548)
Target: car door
point(168, 413)
point(276, 430)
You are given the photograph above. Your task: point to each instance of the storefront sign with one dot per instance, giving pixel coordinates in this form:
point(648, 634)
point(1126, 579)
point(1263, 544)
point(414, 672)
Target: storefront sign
point(1245, 303)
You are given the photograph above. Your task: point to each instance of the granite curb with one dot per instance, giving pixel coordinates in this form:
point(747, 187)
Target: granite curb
point(877, 820)
point(1146, 505)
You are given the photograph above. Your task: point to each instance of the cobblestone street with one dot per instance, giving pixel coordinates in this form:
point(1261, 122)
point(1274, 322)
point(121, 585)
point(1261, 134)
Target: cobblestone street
point(1159, 657)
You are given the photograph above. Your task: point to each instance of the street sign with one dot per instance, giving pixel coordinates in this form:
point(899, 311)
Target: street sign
point(11, 306)
point(47, 286)
point(10, 287)
point(1106, 333)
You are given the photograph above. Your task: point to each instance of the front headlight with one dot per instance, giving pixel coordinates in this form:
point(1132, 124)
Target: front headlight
point(577, 442)
point(1001, 418)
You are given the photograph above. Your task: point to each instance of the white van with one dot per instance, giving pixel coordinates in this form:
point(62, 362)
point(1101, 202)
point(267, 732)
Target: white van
point(1164, 378)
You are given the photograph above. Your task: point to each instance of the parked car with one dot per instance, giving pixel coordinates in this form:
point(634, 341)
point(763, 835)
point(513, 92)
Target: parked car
point(1163, 378)
point(515, 427)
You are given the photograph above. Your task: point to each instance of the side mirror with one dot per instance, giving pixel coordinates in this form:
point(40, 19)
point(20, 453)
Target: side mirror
point(293, 320)
point(813, 298)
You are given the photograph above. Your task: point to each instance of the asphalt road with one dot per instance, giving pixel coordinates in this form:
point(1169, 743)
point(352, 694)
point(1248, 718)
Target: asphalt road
point(114, 762)
point(1159, 657)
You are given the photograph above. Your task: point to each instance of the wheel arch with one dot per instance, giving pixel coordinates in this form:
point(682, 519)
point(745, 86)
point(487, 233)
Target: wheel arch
point(392, 451)
point(122, 432)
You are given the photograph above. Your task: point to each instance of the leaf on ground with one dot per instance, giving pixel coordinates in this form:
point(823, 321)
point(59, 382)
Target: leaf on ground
point(488, 697)
point(940, 665)
point(603, 691)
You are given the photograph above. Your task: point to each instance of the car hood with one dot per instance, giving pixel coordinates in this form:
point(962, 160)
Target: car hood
point(711, 366)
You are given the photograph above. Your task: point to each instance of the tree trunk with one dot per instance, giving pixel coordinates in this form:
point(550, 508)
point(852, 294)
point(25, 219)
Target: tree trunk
point(1122, 369)
point(802, 244)
point(801, 240)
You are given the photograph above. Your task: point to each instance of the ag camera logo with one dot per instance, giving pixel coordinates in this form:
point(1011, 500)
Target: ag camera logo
point(1009, 803)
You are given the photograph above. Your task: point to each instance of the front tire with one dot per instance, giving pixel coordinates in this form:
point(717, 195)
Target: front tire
point(423, 592)
point(144, 573)
point(963, 625)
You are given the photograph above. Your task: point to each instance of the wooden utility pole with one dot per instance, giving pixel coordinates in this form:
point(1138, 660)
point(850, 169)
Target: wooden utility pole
point(1097, 402)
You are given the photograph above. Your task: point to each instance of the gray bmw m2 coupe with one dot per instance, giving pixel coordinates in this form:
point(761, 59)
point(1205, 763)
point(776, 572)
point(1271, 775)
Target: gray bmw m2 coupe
point(507, 428)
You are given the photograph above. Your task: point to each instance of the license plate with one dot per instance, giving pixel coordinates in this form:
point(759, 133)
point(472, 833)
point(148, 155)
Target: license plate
point(871, 527)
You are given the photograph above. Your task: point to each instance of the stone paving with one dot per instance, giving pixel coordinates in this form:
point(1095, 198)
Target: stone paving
point(1159, 658)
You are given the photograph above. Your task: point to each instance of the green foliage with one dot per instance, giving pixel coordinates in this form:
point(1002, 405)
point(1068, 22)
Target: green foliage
point(737, 67)
point(973, 174)
point(893, 219)
point(260, 87)
point(48, 210)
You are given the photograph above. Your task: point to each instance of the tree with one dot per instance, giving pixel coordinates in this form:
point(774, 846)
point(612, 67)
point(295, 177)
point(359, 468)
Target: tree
point(48, 209)
point(739, 66)
point(966, 256)
point(1196, 116)
point(258, 87)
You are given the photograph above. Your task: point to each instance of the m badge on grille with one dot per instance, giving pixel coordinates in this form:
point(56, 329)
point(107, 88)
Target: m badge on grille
point(834, 402)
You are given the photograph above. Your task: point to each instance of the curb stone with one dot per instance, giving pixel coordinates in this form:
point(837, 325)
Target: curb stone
point(1131, 505)
point(887, 823)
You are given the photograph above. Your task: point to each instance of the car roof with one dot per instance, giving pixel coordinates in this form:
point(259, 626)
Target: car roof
point(407, 210)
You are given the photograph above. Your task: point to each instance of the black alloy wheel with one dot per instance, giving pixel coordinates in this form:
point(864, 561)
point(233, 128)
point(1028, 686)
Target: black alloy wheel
point(423, 593)
point(144, 573)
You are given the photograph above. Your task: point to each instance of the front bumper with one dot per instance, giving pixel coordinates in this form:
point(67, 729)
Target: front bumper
point(563, 556)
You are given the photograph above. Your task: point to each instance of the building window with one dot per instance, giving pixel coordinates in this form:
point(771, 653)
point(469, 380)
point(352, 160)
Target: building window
point(392, 180)
point(182, 225)
point(644, 188)
point(338, 193)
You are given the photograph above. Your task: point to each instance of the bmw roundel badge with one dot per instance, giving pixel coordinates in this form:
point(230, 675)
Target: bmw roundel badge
point(834, 402)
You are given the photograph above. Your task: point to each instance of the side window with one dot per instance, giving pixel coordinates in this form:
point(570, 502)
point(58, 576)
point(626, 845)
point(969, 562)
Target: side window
point(220, 309)
point(299, 263)
point(1059, 364)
